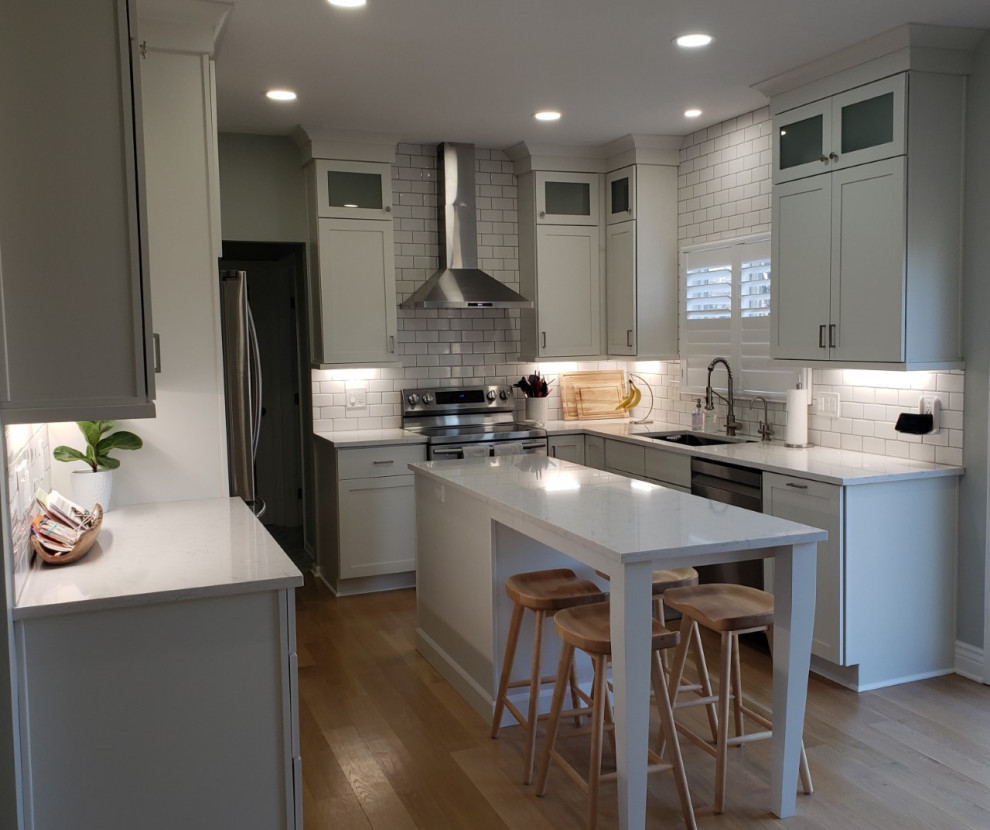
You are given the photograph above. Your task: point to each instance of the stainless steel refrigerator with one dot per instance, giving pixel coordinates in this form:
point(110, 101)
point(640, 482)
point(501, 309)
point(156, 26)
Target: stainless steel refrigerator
point(242, 383)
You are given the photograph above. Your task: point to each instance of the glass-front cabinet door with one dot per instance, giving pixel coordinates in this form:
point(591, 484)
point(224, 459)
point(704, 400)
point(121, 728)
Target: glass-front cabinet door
point(353, 189)
point(865, 124)
point(620, 195)
point(868, 123)
point(800, 141)
point(567, 198)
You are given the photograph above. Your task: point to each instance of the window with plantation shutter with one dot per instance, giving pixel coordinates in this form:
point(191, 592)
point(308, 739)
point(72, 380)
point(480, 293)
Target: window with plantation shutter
point(725, 312)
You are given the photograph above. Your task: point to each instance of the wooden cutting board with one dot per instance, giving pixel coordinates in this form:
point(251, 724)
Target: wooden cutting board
point(592, 395)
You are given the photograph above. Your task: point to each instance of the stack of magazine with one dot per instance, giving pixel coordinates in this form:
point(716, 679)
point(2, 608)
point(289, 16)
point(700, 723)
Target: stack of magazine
point(60, 523)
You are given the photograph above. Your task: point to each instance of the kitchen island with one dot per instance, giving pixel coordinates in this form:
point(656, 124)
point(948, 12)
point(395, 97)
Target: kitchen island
point(480, 520)
point(157, 676)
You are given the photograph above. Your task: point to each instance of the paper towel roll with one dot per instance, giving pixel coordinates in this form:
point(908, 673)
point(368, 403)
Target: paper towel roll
point(796, 431)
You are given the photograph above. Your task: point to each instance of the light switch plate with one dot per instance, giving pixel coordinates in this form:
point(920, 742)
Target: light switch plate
point(356, 396)
point(825, 403)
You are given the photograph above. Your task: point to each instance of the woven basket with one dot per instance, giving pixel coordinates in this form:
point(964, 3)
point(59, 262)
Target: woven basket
point(81, 547)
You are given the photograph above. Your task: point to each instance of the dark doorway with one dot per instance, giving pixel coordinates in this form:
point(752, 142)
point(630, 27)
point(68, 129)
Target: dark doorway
point(283, 471)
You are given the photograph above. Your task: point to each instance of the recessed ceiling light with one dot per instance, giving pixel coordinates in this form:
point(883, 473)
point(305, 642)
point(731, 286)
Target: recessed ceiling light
point(348, 4)
point(281, 95)
point(694, 113)
point(547, 115)
point(694, 40)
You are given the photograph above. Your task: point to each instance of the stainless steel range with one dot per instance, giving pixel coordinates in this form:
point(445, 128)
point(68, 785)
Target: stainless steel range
point(469, 421)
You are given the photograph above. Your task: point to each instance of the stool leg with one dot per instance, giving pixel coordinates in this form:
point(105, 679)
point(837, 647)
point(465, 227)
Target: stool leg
point(534, 695)
point(510, 654)
point(724, 696)
point(670, 732)
point(599, 703)
point(704, 678)
point(575, 697)
point(737, 698)
point(563, 669)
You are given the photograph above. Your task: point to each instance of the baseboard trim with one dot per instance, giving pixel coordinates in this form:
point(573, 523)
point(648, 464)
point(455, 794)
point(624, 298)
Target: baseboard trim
point(969, 662)
point(477, 698)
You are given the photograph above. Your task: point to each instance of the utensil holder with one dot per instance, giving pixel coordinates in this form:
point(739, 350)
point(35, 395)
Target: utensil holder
point(536, 410)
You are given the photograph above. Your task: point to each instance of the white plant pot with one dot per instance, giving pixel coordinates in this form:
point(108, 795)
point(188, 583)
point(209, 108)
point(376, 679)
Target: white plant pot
point(89, 488)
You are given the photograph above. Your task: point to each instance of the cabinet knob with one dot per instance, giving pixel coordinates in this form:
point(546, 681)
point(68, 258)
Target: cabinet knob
point(388, 208)
point(824, 159)
point(833, 156)
point(542, 213)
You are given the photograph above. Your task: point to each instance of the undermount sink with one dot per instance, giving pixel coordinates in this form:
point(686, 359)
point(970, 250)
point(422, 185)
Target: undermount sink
point(695, 439)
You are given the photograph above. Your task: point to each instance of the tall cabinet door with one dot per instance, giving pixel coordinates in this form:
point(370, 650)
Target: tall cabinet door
point(356, 291)
point(817, 504)
point(801, 263)
point(868, 262)
point(620, 288)
point(569, 290)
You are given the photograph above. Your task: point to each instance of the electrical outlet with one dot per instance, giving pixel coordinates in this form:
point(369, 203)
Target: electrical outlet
point(356, 396)
point(931, 405)
point(825, 403)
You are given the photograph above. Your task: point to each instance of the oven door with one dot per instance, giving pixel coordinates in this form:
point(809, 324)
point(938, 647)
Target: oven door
point(445, 452)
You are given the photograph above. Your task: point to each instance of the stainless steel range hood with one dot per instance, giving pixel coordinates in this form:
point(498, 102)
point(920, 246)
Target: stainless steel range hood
point(459, 283)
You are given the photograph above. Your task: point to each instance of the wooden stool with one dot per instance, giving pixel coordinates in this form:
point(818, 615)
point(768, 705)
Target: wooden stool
point(544, 593)
point(587, 628)
point(730, 610)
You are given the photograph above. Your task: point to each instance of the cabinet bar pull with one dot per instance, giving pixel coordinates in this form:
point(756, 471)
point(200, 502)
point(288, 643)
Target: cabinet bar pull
point(797, 486)
point(391, 344)
point(831, 336)
point(389, 461)
point(629, 338)
point(543, 334)
point(821, 337)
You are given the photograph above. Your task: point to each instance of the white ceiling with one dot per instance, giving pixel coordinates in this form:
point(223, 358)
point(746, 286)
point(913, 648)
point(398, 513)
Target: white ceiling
point(464, 70)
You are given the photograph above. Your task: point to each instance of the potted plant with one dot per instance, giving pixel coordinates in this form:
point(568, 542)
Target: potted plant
point(94, 485)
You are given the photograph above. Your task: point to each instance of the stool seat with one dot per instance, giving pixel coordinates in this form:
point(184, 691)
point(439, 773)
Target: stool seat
point(587, 628)
point(551, 590)
point(723, 607)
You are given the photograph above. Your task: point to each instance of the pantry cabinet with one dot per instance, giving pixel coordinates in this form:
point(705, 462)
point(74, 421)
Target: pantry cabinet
point(366, 516)
point(560, 267)
point(76, 307)
point(867, 257)
point(641, 262)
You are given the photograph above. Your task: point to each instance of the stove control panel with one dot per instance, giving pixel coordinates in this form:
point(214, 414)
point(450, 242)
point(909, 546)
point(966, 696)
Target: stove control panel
point(457, 399)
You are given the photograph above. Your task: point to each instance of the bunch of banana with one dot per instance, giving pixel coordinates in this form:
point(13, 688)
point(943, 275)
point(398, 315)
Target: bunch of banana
point(632, 399)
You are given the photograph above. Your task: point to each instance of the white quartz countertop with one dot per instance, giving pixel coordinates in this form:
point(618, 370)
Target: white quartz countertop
point(370, 437)
point(616, 515)
point(826, 464)
point(160, 552)
point(833, 466)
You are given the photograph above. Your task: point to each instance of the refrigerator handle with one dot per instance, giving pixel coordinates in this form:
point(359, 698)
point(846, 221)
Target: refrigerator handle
point(254, 357)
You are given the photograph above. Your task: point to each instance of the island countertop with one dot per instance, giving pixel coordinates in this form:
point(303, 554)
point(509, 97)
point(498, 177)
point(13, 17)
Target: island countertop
point(619, 517)
point(159, 552)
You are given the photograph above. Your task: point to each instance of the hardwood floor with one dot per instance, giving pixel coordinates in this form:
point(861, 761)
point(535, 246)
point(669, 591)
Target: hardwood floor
point(387, 744)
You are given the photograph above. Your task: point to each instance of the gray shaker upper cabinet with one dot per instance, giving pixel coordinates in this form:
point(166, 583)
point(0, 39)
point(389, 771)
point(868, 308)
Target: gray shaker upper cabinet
point(73, 275)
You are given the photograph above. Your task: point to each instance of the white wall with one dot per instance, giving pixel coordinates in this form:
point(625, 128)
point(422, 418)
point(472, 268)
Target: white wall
point(184, 454)
point(262, 189)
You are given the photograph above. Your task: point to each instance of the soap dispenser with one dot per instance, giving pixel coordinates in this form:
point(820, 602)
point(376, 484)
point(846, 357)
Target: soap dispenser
point(697, 417)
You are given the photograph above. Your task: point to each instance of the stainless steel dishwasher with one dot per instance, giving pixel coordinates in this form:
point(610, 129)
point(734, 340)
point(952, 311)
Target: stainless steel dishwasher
point(740, 487)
